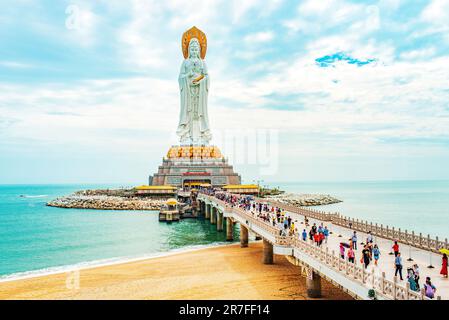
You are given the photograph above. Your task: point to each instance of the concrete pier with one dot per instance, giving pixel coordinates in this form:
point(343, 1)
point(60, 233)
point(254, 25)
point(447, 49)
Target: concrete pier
point(243, 236)
point(313, 284)
point(267, 252)
point(200, 207)
point(213, 215)
point(421, 249)
point(208, 210)
point(229, 229)
point(219, 221)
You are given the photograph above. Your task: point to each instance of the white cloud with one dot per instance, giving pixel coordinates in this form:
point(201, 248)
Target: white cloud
point(436, 19)
point(259, 37)
point(340, 111)
point(81, 23)
point(312, 14)
point(140, 45)
point(437, 13)
point(397, 100)
point(419, 54)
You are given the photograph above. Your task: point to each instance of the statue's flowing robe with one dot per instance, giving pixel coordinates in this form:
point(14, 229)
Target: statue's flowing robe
point(187, 105)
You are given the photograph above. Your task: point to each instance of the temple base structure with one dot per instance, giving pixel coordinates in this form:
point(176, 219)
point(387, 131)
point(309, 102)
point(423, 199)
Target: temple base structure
point(195, 166)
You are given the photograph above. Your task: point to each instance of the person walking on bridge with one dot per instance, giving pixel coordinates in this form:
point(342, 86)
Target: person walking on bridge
point(304, 235)
point(354, 240)
point(398, 265)
point(444, 266)
point(320, 239)
point(342, 251)
point(411, 280)
point(326, 234)
point(376, 254)
point(351, 255)
point(369, 238)
point(366, 256)
point(316, 238)
point(416, 271)
point(396, 248)
point(429, 289)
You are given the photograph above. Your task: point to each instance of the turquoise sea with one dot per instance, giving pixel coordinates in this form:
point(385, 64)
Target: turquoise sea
point(420, 206)
point(38, 239)
point(34, 237)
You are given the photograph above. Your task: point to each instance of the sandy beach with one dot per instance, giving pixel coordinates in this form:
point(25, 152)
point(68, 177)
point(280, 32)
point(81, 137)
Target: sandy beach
point(225, 272)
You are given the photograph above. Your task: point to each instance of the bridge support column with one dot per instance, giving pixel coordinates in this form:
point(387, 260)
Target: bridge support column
point(313, 284)
point(267, 252)
point(207, 211)
point(213, 215)
point(201, 208)
point(243, 236)
point(229, 229)
point(219, 221)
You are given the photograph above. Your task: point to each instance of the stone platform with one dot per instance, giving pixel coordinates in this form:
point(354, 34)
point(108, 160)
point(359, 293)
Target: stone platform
point(193, 166)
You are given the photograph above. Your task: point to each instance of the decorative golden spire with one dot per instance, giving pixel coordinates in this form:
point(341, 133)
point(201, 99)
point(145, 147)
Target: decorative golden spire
point(194, 32)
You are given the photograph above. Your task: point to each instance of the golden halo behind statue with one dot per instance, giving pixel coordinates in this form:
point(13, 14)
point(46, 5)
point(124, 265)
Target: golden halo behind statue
point(194, 32)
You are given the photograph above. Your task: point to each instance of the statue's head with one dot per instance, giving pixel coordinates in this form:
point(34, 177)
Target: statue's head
point(194, 48)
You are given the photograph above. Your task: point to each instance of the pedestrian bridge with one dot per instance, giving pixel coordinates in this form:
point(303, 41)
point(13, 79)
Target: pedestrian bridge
point(315, 262)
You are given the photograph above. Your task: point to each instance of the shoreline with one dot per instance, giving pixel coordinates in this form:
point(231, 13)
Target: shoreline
point(86, 265)
point(223, 272)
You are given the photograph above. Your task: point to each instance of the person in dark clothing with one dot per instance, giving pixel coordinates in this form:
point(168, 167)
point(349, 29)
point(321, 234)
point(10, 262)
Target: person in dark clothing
point(398, 265)
point(366, 256)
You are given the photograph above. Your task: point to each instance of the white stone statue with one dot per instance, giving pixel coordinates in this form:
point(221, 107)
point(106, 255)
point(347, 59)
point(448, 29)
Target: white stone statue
point(193, 128)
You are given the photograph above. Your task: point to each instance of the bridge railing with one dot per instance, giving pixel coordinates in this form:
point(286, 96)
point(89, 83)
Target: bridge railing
point(220, 202)
point(275, 232)
point(387, 288)
point(319, 215)
point(248, 216)
point(386, 232)
point(410, 238)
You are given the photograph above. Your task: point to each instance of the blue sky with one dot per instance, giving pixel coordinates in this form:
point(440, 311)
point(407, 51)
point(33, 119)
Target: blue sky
point(356, 90)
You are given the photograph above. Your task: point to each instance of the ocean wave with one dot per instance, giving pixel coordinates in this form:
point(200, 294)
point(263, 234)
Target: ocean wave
point(33, 196)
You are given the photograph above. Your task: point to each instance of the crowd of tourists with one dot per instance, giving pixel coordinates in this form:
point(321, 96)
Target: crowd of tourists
point(317, 235)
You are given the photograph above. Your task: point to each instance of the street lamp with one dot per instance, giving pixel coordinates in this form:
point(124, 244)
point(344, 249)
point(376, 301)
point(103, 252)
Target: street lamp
point(258, 186)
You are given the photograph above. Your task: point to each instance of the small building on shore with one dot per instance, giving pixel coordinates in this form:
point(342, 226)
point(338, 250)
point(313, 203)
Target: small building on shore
point(165, 190)
point(250, 189)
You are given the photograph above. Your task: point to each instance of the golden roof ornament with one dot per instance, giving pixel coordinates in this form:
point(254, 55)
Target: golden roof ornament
point(194, 32)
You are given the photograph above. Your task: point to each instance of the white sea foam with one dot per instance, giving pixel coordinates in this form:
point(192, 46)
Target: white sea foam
point(31, 196)
point(105, 262)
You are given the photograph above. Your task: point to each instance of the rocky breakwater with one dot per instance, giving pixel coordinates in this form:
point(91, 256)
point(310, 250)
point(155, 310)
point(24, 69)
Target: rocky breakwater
point(305, 200)
point(105, 202)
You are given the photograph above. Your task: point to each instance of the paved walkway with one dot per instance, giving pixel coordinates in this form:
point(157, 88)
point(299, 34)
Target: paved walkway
point(386, 261)
point(421, 257)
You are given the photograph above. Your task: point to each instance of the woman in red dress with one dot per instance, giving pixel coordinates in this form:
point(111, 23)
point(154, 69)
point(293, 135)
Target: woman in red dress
point(444, 266)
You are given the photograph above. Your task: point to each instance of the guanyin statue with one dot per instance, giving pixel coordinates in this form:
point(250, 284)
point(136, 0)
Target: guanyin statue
point(193, 128)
